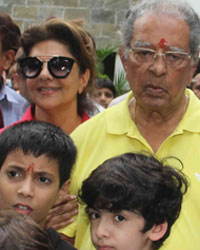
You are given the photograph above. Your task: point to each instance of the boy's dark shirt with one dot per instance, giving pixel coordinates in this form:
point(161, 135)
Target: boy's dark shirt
point(57, 242)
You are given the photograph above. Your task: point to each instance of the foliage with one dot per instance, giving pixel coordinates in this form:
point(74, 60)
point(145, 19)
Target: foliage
point(101, 55)
point(121, 83)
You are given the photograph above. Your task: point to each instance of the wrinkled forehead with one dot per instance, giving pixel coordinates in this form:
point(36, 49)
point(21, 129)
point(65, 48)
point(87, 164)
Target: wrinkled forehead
point(160, 30)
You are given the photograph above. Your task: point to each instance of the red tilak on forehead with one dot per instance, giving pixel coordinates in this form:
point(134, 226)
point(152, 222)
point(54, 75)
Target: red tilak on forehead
point(31, 167)
point(162, 43)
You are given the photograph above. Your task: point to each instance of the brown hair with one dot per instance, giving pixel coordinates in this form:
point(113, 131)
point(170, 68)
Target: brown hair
point(71, 34)
point(20, 232)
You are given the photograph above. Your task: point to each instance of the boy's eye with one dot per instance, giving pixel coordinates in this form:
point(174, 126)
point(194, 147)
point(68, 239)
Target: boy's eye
point(119, 217)
point(14, 174)
point(94, 215)
point(44, 180)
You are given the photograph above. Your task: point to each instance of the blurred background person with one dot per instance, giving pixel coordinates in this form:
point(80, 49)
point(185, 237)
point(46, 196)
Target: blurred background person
point(12, 104)
point(103, 92)
point(17, 79)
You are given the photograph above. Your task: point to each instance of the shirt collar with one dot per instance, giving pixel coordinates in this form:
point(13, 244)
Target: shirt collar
point(191, 118)
point(118, 118)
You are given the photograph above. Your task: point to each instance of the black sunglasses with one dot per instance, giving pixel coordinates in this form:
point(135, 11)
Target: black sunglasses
point(58, 66)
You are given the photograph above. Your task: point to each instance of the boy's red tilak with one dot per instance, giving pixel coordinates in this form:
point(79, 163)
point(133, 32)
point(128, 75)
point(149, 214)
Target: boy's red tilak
point(162, 43)
point(31, 168)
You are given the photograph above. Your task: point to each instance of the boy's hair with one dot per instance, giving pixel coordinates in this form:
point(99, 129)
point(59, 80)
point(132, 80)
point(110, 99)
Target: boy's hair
point(40, 138)
point(105, 83)
point(138, 183)
point(20, 232)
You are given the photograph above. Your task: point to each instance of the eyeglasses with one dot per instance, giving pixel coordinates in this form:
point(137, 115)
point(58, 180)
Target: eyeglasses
point(175, 60)
point(58, 66)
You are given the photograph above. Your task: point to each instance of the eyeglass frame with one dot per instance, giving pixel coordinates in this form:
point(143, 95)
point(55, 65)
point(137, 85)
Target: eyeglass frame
point(132, 49)
point(71, 60)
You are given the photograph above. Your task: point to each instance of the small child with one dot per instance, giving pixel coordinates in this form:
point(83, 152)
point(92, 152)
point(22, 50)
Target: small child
point(132, 201)
point(35, 161)
point(103, 92)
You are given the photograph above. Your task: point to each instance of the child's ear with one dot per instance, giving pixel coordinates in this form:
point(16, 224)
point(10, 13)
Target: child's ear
point(158, 231)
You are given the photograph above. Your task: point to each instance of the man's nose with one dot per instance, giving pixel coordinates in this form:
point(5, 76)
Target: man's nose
point(159, 65)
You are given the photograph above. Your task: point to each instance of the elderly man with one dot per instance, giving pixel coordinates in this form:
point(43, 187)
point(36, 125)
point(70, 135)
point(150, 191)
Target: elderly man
point(159, 54)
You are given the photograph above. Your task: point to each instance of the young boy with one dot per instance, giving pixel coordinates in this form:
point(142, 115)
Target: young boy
point(35, 161)
point(103, 92)
point(132, 201)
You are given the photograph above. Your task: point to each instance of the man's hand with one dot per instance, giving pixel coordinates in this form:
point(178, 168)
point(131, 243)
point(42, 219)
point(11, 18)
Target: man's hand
point(65, 208)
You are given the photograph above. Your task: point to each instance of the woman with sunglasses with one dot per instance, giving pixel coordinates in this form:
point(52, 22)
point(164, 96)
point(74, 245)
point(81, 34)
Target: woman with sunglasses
point(58, 65)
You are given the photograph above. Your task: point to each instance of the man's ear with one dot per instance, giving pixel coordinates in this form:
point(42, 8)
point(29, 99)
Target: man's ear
point(8, 58)
point(196, 60)
point(122, 57)
point(193, 67)
point(158, 231)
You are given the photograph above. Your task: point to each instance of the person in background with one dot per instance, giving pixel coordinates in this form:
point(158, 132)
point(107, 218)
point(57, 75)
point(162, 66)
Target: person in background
point(35, 161)
point(103, 92)
point(195, 85)
point(132, 201)
point(11, 77)
point(13, 105)
point(159, 51)
point(18, 79)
